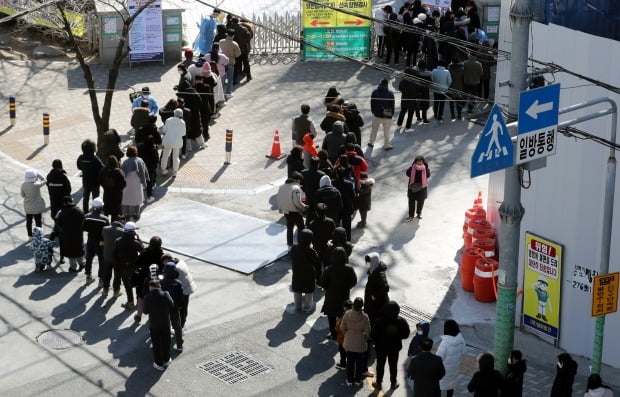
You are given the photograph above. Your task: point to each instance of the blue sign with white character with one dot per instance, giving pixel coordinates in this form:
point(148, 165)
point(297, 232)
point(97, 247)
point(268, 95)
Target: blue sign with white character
point(538, 123)
point(494, 150)
point(538, 109)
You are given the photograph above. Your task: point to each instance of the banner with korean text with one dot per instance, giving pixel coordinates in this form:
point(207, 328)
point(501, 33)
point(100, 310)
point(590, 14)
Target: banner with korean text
point(344, 34)
point(542, 285)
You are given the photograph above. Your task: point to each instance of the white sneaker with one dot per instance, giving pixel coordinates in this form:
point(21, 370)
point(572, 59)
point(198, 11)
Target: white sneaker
point(158, 367)
point(183, 157)
point(150, 199)
point(167, 363)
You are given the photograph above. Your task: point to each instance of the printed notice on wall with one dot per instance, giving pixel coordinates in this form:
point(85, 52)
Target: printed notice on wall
point(146, 35)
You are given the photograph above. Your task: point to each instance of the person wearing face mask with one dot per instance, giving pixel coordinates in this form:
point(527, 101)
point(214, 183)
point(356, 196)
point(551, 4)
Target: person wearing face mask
point(146, 96)
point(417, 190)
point(422, 330)
point(513, 383)
point(451, 349)
point(565, 376)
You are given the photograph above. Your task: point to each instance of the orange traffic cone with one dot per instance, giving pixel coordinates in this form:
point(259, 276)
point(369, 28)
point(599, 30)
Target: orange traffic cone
point(478, 201)
point(276, 153)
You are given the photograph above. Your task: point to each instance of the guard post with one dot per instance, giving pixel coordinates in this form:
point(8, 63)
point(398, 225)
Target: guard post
point(12, 109)
point(46, 128)
point(228, 146)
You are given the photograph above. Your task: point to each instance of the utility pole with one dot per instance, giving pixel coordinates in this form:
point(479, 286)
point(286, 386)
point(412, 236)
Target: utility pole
point(511, 211)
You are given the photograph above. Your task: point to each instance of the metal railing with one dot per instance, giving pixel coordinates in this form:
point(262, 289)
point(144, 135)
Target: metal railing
point(269, 43)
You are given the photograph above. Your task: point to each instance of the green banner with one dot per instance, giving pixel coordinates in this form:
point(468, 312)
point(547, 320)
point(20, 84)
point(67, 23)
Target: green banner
point(352, 42)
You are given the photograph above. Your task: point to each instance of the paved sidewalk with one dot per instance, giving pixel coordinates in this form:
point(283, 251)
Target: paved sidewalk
point(231, 311)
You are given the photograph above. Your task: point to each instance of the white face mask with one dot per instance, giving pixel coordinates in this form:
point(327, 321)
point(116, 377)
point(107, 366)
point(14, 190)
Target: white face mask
point(509, 360)
point(560, 364)
point(145, 96)
point(420, 332)
point(180, 72)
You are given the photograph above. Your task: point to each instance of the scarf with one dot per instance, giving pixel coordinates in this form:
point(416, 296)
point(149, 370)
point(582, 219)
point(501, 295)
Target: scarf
point(422, 169)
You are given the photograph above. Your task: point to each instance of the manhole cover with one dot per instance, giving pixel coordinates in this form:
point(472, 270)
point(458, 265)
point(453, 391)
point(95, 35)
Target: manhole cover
point(414, 315)
point(233, 367)
point(60, 338)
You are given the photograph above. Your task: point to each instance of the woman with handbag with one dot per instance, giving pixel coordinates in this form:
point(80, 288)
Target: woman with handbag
point(417, 190)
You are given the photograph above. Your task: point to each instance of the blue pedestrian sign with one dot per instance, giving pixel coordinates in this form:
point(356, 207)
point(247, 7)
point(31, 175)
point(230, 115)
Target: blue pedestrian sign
point(538, 123)
point(494, 150)
point(538, 109)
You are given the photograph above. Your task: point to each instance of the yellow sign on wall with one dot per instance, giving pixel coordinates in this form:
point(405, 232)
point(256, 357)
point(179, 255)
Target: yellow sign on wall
point(605, 294)
point(542, 285)
point(322, 15)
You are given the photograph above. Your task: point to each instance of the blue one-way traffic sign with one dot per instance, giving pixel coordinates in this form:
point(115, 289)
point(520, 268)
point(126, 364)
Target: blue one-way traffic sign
point(538, 122)
point(494, 150)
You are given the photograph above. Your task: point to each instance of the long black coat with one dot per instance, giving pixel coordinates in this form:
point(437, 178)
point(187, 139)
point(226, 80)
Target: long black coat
point(58, 186)
point(422, 194)
point(377, 286)
point(426, 369)
point(322, 229)
point(347, 193)
point(331, 197)
point(69, 225)
point(112, 180)
point(337, 280)
point(311, 184)
point(565, 377)
point(513, 384)
point(305, 261)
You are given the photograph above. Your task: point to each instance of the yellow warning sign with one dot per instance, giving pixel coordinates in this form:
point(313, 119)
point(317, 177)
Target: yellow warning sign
point(605, 294)
point(321, 13)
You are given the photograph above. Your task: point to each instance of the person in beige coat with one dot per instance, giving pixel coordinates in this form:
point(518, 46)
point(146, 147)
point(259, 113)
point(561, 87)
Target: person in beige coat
point(289, 201)
point(34, 204)
point(356, 328)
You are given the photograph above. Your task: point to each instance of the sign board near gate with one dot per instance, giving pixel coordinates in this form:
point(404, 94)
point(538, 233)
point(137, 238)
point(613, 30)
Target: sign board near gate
point(342, 33)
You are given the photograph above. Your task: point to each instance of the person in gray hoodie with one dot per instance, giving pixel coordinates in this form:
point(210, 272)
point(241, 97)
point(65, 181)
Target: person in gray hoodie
point(442, 81)
point(334, 140)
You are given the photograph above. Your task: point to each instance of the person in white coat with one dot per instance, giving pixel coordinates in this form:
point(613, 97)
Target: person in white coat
point(451, 349)
point(172, 142)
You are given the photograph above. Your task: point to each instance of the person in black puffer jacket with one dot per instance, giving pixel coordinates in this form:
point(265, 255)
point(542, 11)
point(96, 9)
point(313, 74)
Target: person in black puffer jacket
point(407, 102)
point(565, 376)
point(513, 383)
point(58, 186)
point(90, 165)
point(171, 285)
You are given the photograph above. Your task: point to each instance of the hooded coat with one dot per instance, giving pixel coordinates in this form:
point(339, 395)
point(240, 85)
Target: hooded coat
point(58, 186)
point(110, 143)
point(305, 263)
point(330, 196)
point(390, 329)
point(334, 140)
point(339, 239)
point(312, 180)
point(414, 345)
point(377, 287)
point(450, 349)
point(337, 280)
point(513, 384)
point(31, 193)
point(565, 376)
point(42, 247)
point(356, 329)
point(364, 196)
point(322, 230)
point(69, 224)
point(90, 165)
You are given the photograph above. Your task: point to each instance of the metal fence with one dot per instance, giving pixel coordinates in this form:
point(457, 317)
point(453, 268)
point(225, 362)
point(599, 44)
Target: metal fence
point(278, 34)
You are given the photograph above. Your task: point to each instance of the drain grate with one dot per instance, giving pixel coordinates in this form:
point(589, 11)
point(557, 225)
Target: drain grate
point(60, 338)
point(414, 315)
point(233, 367)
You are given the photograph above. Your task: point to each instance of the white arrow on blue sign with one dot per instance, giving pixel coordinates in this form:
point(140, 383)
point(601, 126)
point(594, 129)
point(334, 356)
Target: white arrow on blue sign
point(494, 150)
point(538, 123)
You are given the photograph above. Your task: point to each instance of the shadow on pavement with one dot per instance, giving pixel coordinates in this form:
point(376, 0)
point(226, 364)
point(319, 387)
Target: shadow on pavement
point(271, 274)
point(73, 307)
point(141, 381)
point(319, 359)
point(284, 331)
point(55, 283)
point(19, 253)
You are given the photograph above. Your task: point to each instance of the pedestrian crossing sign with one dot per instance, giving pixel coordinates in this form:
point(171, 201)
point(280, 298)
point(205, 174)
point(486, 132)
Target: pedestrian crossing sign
point(494, 150)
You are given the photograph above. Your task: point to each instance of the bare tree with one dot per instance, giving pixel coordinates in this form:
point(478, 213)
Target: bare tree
point(55, 13)
point(102, 118)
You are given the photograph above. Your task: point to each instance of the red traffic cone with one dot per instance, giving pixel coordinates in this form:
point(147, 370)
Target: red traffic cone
point(478, 201)
point(276, 152)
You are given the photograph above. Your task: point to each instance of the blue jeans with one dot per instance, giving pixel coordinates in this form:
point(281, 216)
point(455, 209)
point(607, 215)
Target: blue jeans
point(228, 85)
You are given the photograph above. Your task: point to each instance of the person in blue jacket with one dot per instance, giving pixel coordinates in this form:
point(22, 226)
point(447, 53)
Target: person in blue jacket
point(206, 35)
point(145, 95)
